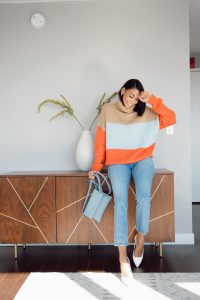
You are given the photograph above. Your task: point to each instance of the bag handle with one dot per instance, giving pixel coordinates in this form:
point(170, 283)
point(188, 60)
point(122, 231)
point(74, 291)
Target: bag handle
point(96, 174)
point(98, 186)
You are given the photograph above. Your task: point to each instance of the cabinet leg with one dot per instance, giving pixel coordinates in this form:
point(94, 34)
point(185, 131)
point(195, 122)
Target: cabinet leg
point(89, 246)
point(15, 250)
point(161, 249)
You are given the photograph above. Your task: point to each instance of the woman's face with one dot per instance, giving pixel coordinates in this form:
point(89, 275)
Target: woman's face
point(130, 97)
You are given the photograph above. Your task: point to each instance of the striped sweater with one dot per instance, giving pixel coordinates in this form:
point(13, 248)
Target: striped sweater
point(122, 137)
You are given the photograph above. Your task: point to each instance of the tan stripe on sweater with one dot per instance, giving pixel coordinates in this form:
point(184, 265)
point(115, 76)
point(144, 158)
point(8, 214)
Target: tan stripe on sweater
point(111, 113)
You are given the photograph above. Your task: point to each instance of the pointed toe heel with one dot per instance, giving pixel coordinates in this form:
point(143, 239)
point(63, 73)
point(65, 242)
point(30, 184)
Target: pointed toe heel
point(126, 268)
point(137, 259)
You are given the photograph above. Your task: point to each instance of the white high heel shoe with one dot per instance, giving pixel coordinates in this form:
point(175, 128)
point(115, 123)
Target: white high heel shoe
point(137, 259)
point(126, 268)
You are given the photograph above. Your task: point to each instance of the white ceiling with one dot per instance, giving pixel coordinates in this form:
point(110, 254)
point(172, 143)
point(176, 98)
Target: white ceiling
point(194, 19)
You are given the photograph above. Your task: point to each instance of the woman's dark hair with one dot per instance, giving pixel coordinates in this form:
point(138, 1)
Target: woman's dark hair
point(134, 84)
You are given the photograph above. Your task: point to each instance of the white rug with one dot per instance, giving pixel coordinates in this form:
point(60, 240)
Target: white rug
point(94, 285)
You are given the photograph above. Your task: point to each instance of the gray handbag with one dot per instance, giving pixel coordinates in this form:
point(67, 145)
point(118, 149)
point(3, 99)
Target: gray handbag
point(96, 203)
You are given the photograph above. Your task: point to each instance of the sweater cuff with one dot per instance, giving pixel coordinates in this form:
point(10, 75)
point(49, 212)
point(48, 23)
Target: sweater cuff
point(151, 99)
point(97, 167)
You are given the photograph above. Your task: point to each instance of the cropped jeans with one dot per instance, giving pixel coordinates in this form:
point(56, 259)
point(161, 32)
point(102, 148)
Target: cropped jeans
point(120, 176)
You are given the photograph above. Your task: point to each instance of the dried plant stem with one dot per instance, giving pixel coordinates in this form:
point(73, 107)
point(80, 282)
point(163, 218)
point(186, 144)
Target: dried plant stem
point(78, 122)
point(67, 108)
point(100, 105)
point(63, 104)
point(93, 121)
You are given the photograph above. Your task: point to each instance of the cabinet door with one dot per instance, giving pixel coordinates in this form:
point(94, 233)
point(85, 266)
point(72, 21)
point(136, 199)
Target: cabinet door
point(72, 226)
point(27, 209)
point(161, 226)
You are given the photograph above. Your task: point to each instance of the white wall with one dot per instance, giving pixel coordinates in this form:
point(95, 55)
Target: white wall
point(195, 125)
point(194, 25)
point(87, 48)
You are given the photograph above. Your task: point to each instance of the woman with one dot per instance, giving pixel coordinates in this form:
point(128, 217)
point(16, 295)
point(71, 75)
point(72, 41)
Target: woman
point(125, 140)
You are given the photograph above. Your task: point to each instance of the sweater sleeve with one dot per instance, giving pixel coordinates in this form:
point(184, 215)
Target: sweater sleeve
point(100, 143)
point(167, 116)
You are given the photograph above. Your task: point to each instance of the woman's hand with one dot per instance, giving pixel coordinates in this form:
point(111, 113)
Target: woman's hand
point(144, 96)
point(90, 175)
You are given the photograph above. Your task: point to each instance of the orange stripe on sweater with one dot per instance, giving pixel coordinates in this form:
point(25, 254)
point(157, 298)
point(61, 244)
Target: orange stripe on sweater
point(167, 116)
point(119, 156)
point(99, 149)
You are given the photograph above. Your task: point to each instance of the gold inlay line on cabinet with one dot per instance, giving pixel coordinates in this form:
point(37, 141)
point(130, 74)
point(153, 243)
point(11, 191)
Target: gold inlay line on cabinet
point(27, 210)
point(38, 193)
point(74, 229)
point(59, 210)
point(151, 197)
point(131, 231)
point(100, 231)
point(71, 204)
point(132, 190)
point(170, 212)
point(162, 216)
point(155, 189)
point(158, 186)
point(18, 220)
point(77, 226)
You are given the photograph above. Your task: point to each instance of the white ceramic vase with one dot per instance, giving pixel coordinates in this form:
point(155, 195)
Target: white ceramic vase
point(85, 151)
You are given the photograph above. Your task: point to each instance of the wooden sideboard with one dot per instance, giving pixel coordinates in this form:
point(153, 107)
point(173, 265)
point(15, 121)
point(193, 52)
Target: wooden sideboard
point(46, 208)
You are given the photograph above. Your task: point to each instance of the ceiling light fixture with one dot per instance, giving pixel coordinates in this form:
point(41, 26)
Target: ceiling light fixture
point(38, 20)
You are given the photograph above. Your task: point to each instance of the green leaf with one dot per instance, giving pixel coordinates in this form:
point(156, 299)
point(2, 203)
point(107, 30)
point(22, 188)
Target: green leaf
point(67, 102)
point(51, 101)
point(63, 104)
point(59, 114)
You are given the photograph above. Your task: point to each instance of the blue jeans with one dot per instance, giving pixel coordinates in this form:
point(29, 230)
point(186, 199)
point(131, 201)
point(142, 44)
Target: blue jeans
point(120, 176)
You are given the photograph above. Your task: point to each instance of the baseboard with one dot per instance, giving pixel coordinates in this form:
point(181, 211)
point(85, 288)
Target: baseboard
point(184, 238)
